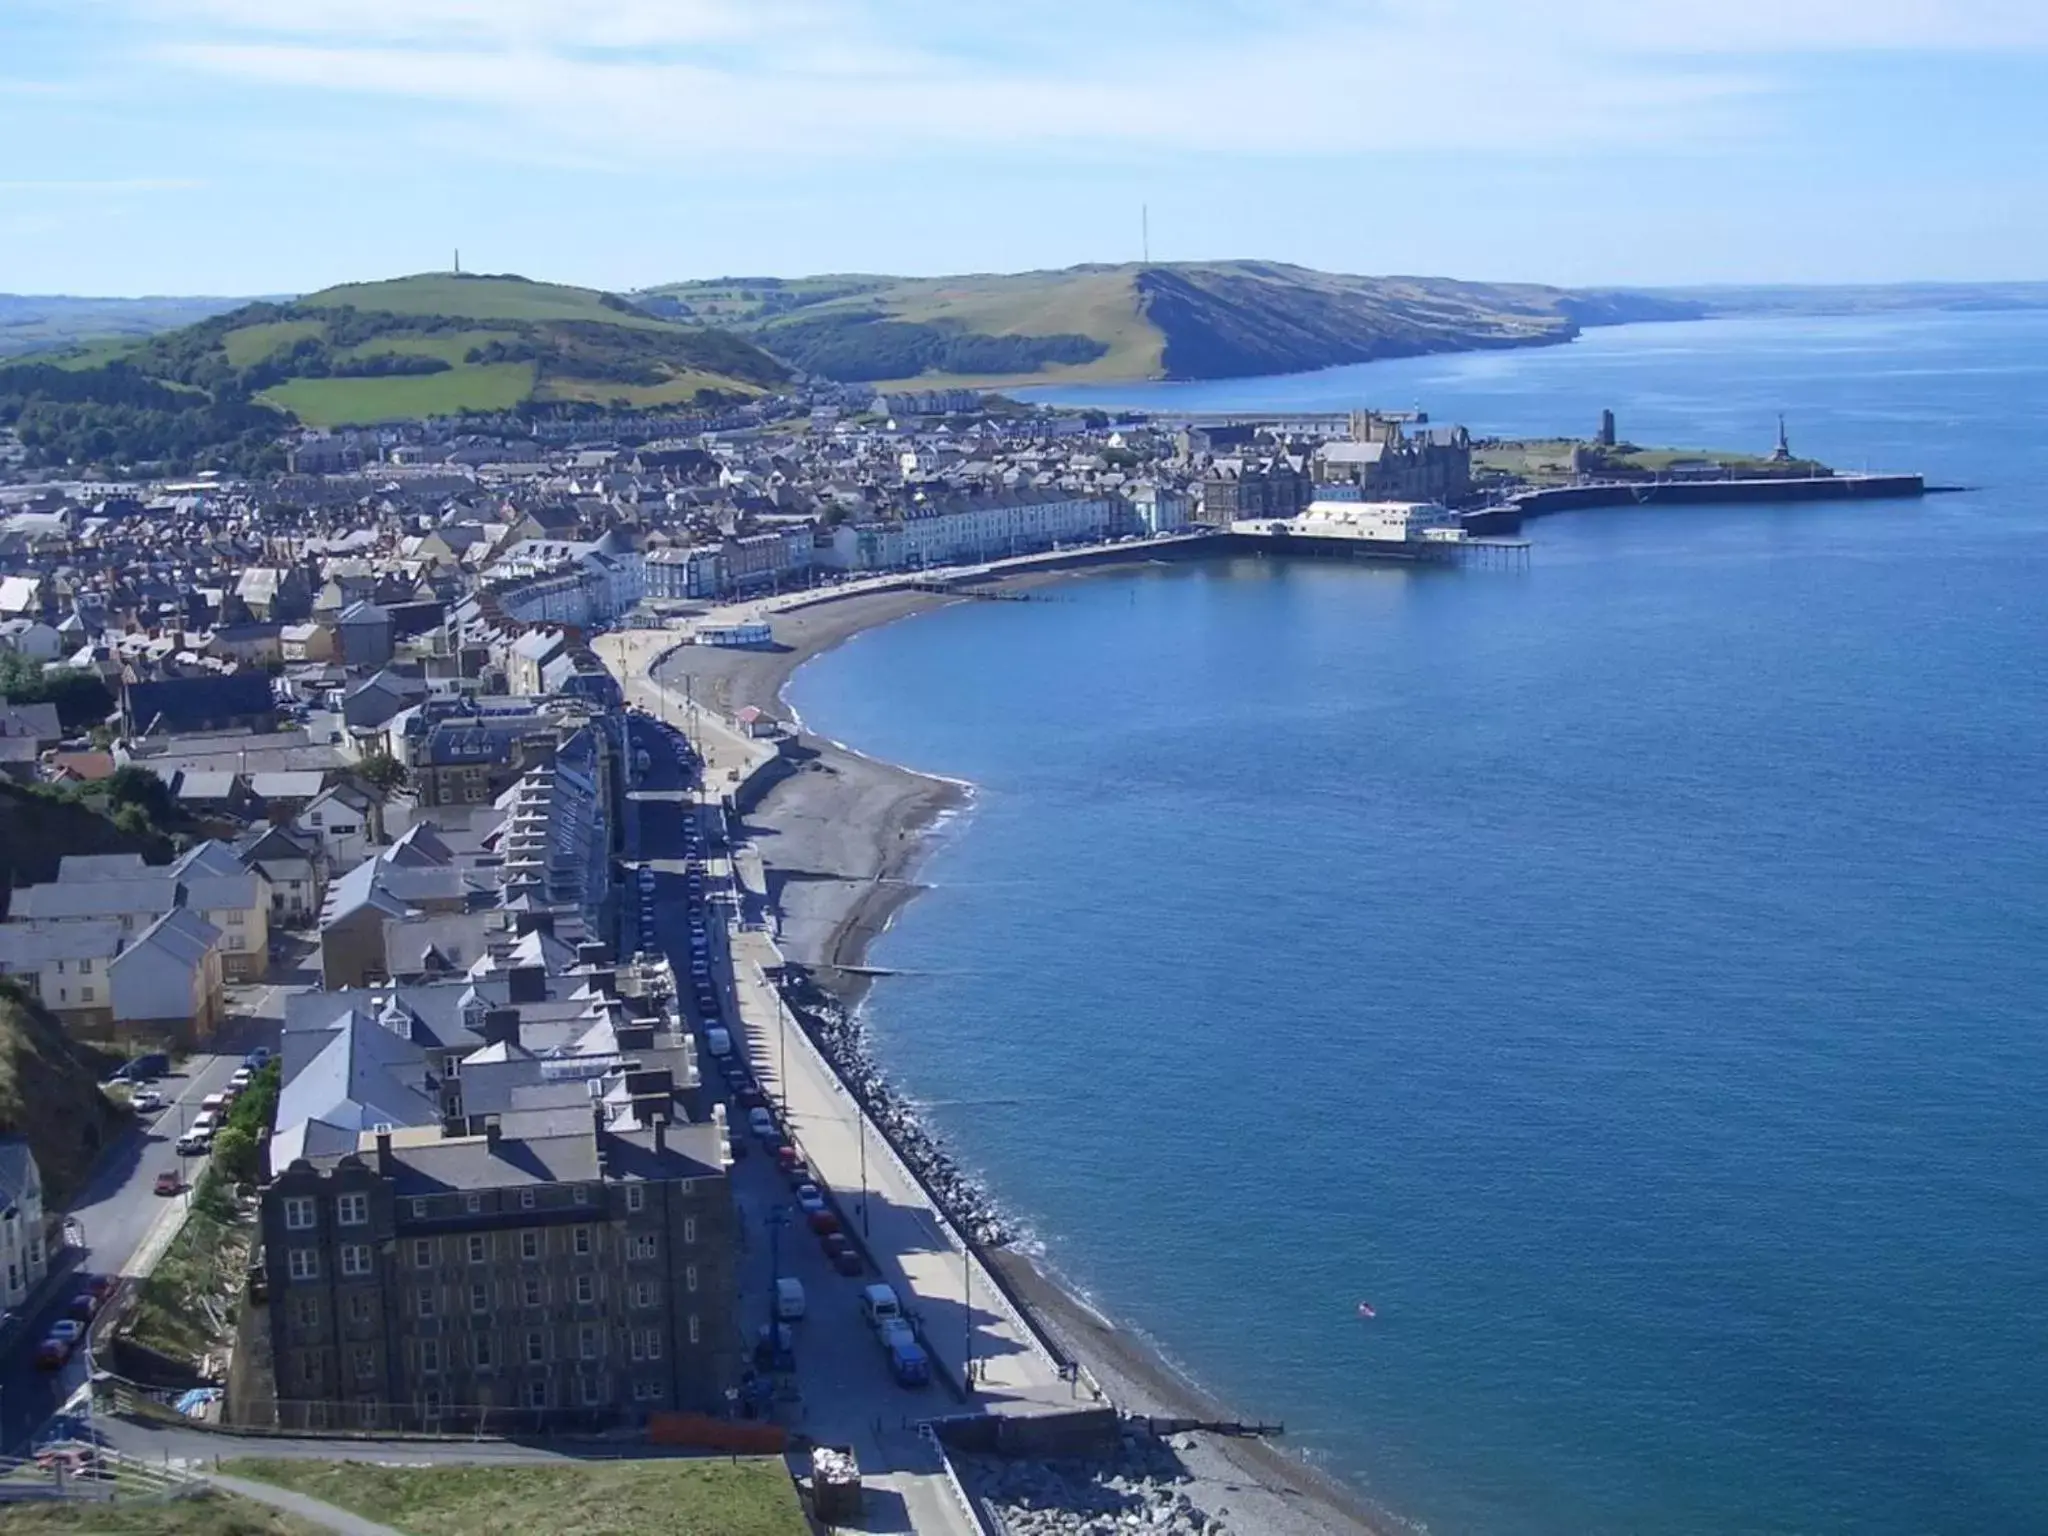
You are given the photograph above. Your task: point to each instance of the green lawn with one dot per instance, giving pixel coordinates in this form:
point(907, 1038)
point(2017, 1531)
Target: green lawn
point(210, 1514)
point(362, 402)
point(752, 1496)
point(252, 343)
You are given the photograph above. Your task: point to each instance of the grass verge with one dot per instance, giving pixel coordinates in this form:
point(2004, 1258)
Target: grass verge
point(208, 1514)
point(752, 1496)
point(208, 1258)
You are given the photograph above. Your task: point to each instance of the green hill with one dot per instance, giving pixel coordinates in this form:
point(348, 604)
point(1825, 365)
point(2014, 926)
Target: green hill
point(49, 1092)
point(1184, 320)
point(219, 393)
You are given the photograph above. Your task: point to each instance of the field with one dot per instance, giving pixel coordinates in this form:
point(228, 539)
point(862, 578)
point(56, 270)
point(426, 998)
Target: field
point(360, 402)
point(452, 347)
point(252, 343)
point(670, 1497)
point(680, 390)
point(478, 298)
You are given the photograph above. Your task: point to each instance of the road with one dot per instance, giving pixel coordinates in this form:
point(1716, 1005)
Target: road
point(119, 1216)
point(844, 1393)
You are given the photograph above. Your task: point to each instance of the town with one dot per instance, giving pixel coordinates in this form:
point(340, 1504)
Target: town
point(401, 921)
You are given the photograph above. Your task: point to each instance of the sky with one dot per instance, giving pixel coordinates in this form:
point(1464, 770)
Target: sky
point(277, 146)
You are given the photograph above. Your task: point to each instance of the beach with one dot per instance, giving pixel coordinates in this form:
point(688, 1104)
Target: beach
point(841, 836)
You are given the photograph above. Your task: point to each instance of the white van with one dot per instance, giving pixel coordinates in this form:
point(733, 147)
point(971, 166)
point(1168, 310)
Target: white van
point(878, 1305)
point(789, 1299)
point(718, 1042)
point(213, 1104)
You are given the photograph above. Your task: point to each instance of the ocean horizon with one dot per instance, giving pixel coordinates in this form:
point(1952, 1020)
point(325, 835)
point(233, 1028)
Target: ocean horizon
point(1623, 975)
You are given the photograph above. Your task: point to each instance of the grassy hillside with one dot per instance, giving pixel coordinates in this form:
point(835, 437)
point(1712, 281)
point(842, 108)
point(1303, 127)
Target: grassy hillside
point(49, 1092)
point(1189, 320)
point(219, 393)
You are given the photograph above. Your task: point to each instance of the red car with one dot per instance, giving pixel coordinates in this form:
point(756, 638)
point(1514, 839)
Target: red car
point(848, 1261)
point(168, 1182)
point(824, 1222)
point(51, 1355)
point(787, 1158)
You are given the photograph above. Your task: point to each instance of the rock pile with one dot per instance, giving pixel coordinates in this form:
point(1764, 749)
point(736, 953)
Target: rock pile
point(1140, 1489)
point(841, 1039)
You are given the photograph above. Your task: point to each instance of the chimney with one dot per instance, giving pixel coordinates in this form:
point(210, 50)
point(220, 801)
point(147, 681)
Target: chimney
point(501, 1026)
point(384, 1150)
point(492, 1133)
point(526, 983)
point(605, 982)
point(591, 953)
point(661, 1134)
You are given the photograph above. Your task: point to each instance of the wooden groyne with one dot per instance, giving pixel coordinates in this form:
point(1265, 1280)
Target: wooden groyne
point(1760, 489)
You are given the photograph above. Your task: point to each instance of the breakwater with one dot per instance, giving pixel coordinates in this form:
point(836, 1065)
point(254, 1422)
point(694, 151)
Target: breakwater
point(1510, 515)
point(841, 1038)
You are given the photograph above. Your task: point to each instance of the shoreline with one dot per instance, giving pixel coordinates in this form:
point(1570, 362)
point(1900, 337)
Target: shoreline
point(846, 834)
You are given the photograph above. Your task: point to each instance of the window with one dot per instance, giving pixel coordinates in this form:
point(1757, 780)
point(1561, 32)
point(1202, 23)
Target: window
point(358, 1304)
point(644, 1245)
point(236, 917)
point(304, 1264)
point(636, 1196)
point(536, 1394)
point(529, 1245)
point(479, 1298)
point(85, 994)
point(689, 1229)
point(693, 1327)
point(480, 1351)
point(587, 1341)
point(298, 1214)
point(526, 1199)
point(582, 1195)
point(352, 1210)
point(366, 1413)
point(422, 1252)
point(419, 1208)
point(643, 1293)
point(648, 1391)
point(306, 1311)
point(355, 1260)
point(646, 1344)
point(430, 1357)
point(533, 1293)
point(366, 1362)
point(472, 1203)
point(583, 1239)
point(479, 1248)
point(536, 1347)
point(593, 1391)
point(689, 1277)
point(423, 1301)
point(586, 1289)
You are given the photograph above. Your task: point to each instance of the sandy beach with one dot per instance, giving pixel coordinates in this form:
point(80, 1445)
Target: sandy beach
point(840, 838)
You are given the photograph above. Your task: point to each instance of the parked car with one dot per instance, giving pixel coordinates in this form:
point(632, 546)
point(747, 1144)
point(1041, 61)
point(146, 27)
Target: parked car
point(810, 1199)
point(823, 1222)
point(169, 1182)
point(193, 1144)
point(69, 1329)
point(848, 1260)
point(146, 1101)
point(760, 1122)
point(51, 1354)
point(786, 1158)
point(240, 1080)
point(101, 1286)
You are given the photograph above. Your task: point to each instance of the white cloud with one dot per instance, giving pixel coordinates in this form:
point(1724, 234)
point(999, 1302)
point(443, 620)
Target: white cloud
point(637, 81)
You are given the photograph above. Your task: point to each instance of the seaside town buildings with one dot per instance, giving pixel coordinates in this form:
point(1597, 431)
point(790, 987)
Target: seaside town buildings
point(397, 777)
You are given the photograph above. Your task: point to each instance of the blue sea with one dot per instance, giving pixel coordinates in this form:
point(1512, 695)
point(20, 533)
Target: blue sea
point(1629, 975)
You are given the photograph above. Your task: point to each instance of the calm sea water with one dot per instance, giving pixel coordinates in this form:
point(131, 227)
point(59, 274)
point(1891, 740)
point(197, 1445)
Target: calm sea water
point(1629, 975)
